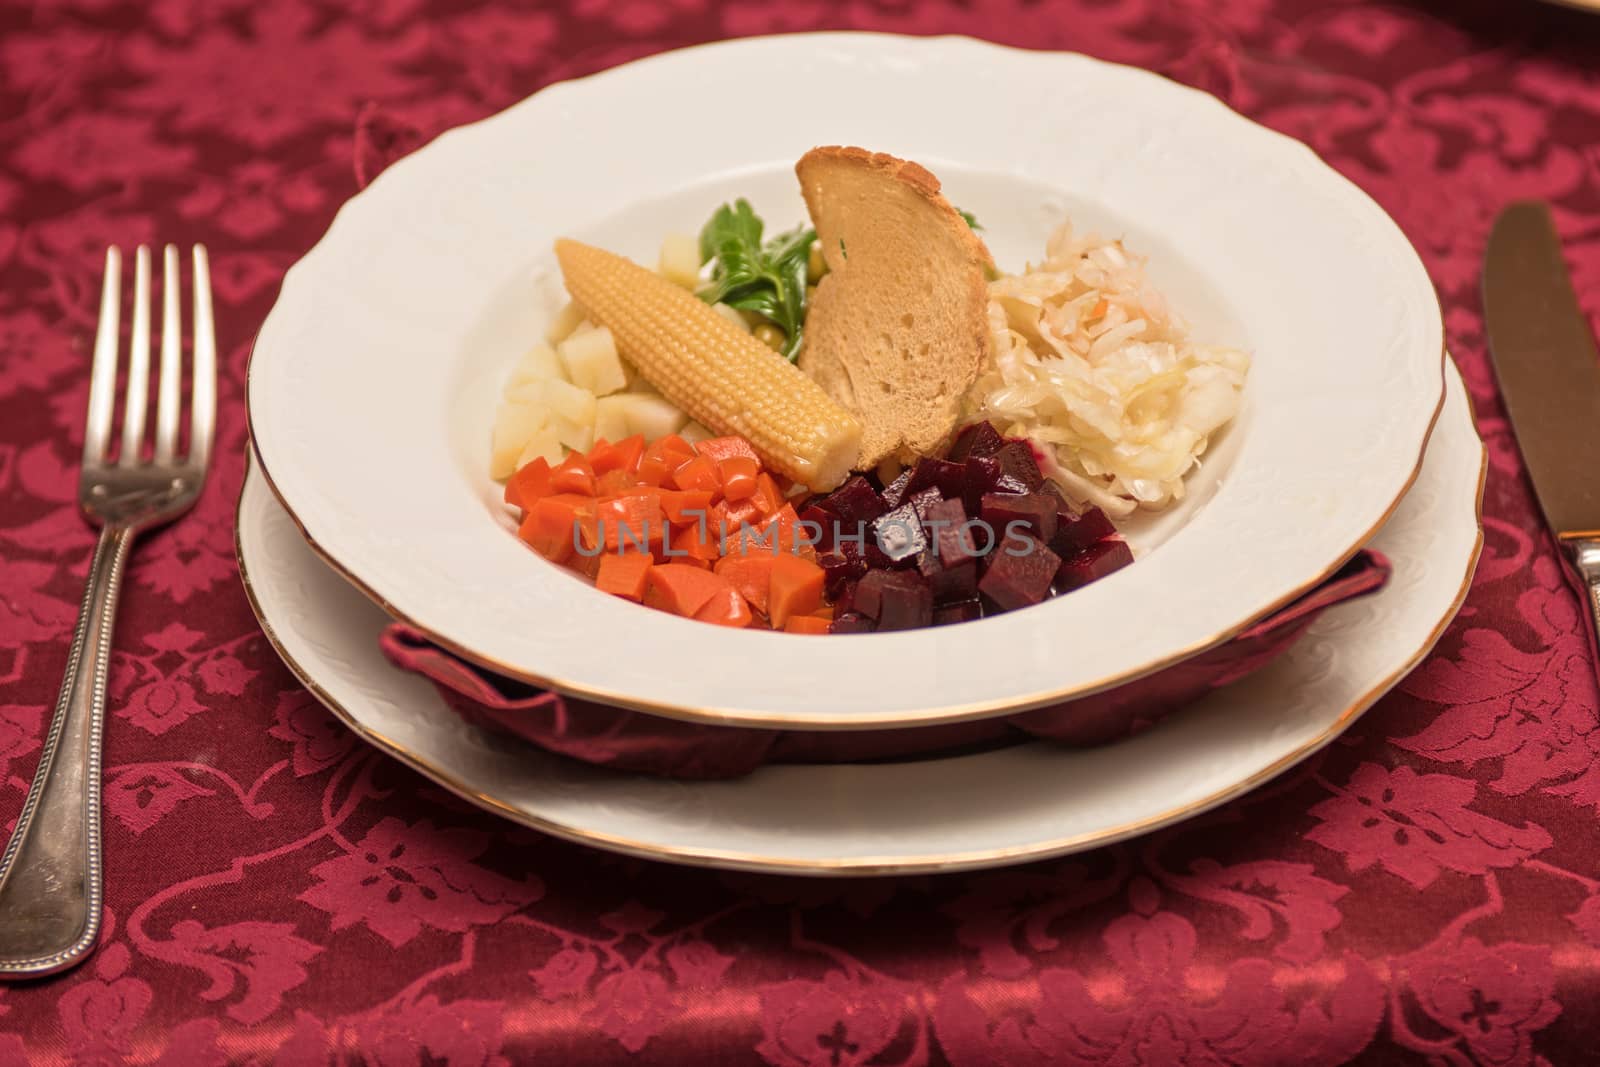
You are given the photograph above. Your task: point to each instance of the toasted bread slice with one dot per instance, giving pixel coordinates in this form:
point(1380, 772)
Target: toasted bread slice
point(898, 329)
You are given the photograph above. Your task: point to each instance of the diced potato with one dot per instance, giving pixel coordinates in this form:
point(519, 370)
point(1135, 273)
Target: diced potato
point(514, 424)
point(543, 361)
point(680, 260)
point(733, 315)
point(611, 418)
point(565, 322)
point(694, 433)
point(592, 362)
point(653, 416)
point(578, 436)
point(545, 443)
point(559, 399)
point(540, 363)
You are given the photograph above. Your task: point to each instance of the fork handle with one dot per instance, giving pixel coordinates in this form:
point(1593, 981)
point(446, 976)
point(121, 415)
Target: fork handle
point(1582, 558)
point(50, 872)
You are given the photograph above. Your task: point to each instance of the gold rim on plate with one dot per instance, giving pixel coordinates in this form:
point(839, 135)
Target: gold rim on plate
point(862, 865)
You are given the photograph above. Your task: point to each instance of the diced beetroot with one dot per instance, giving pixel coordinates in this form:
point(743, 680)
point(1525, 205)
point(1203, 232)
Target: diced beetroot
point(905, 602)
point(869, 592)
point(838, 571)
point(851, 624)
point(960, 611)
point(1092, 563)
point(979, 439)
point(925, 500)
point(1017, 579)
point(1019, 471)
point(861, 545)
point(894, 494)
point(944, 523)
point(1075, 532)
point(1036, 512)
point(947, 477)
point(982, 476)
point(899, 534)
point(954, 583)
point(822, 524)
point(844, 602)
point(856, 501)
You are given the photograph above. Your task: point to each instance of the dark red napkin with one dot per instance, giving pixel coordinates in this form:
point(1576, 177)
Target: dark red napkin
point(635, 741)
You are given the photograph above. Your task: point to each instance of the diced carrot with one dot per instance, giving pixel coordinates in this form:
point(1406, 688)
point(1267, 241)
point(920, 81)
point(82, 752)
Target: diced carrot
point(587, 562)
point(625, 521)
point(697, 474)
point(733, 518)
point(661, 459)
point(807, 624)
point(640, 489)
point(687, 506)
point(622, 456)
point(767, 497)
point(690, 543)
point(551, 545)
point(624, 574)
point(680, 588)
point(751, 574)
point(573, 475)
point(781, 530)
point(796, 588)
point(720, 448)
point(556, 524)
point(673, 443)
point(629, 449)
point(738, 474)
point(529, 483)
point(613, 483)
point(726, 608)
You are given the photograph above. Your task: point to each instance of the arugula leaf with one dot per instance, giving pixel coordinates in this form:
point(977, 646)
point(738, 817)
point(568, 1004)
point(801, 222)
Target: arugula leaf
point(767, 278)
point(972, 220)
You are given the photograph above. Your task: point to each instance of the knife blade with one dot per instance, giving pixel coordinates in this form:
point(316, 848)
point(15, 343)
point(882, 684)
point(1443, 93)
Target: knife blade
point(1549, 371)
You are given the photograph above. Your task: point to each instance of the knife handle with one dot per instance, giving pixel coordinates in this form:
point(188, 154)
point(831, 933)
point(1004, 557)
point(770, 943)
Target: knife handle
point(1582, 555)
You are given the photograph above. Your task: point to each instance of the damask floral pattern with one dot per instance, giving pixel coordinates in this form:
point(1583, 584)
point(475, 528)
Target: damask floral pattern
point(1426, 890)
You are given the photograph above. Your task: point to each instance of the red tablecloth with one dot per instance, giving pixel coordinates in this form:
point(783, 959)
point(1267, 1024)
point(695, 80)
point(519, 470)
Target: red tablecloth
point(1427, 888)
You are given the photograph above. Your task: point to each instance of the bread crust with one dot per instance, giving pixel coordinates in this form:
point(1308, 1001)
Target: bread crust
point(891, 396)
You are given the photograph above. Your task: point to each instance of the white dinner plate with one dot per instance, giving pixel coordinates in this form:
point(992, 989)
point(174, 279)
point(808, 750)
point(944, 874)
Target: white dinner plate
point(1025, 802)
point(374, 379)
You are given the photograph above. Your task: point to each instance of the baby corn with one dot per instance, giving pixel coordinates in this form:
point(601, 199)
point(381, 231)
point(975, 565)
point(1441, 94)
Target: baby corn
point(722, 376)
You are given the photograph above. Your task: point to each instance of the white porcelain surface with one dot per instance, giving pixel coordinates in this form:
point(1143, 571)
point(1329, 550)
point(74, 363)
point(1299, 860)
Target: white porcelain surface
point(374, 378)
point(1006, 806)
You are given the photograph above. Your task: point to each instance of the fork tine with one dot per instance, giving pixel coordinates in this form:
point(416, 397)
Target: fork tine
point(167, 389)
point(137, 400)
point(204, 414)
point(103, 376)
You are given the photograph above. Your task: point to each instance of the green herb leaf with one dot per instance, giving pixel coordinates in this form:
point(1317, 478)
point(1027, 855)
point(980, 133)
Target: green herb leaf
point(767, 278)
point(972, 220)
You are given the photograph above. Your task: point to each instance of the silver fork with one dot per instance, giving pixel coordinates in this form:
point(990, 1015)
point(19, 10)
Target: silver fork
point(50, 873)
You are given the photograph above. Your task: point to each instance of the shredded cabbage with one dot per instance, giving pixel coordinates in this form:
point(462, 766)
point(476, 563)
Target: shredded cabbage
point(1091, 364)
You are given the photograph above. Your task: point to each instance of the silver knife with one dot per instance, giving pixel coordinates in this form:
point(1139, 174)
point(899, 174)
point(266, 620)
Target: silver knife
point(1544, 356)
